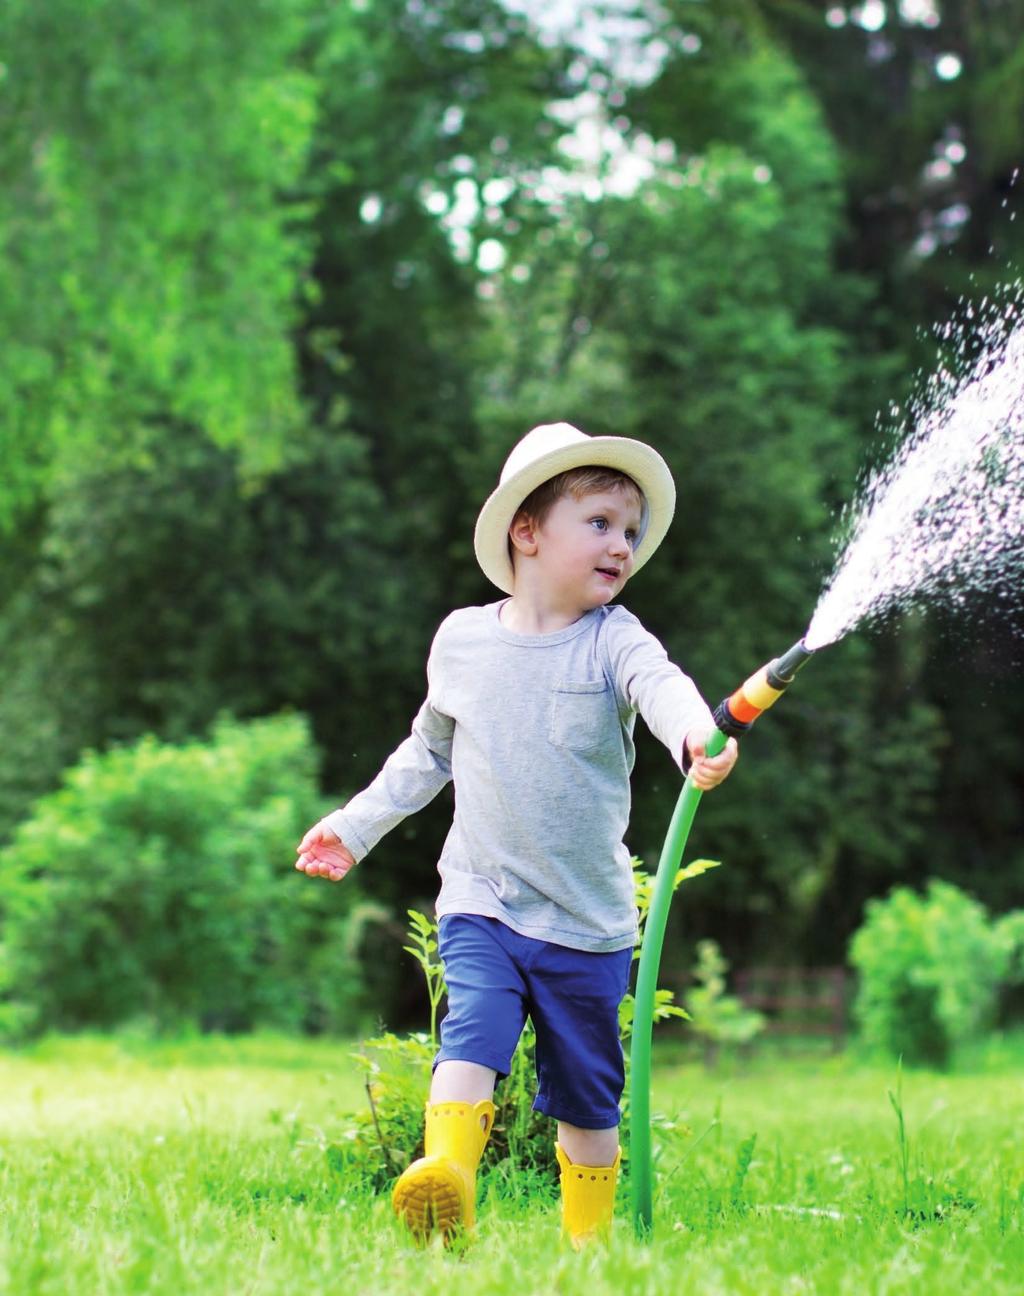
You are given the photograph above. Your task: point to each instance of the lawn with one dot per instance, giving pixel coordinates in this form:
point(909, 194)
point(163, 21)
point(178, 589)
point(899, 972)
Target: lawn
point(199, 1167)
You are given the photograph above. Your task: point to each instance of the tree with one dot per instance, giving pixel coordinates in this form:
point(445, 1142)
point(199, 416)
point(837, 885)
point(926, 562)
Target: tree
point(153, 260)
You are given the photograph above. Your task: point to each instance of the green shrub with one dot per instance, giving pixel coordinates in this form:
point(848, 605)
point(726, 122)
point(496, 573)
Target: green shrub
point(155, 884)
point(1010, 928)
point(929, 968)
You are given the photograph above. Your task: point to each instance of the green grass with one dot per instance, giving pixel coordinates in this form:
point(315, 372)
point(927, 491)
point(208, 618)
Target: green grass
point(199, 1167)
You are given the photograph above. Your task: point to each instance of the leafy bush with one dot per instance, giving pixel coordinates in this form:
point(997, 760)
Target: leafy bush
point(930, 968)
point(1010, 928)
point(155, 884)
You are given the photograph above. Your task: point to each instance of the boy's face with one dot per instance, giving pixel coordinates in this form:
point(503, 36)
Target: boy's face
point(584, 549)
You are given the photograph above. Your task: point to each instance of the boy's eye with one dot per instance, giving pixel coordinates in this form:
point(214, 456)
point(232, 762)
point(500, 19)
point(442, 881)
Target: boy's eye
point(601, 524)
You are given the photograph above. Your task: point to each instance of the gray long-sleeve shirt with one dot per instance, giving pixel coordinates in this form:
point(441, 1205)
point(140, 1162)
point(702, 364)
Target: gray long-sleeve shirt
point(537, 733)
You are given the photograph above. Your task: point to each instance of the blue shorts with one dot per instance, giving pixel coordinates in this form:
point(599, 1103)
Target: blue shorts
point(495, 977)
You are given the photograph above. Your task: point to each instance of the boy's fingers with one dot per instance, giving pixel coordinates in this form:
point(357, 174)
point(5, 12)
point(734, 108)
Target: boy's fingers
point(708, 772)
point(725, 759)
point(317, 866)
point(318, 835)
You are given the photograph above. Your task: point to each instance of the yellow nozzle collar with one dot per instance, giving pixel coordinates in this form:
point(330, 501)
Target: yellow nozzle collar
point(759, 692)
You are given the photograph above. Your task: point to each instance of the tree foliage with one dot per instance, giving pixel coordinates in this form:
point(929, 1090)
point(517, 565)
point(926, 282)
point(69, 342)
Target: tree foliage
point(284, 284)
point(154, 258)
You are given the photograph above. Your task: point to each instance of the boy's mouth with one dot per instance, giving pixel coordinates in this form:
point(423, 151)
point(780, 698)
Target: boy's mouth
point(611, 572)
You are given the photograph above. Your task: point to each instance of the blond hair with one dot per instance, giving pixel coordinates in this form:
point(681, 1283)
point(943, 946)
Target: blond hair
point(577, 482)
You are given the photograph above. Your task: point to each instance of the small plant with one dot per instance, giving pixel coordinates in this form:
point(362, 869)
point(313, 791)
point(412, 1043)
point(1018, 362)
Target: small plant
point(896, 1101)
point(744, 1156)
point(718, 1018)
point(665, 1005)
point(423, 947)
point(384, 1137)
point(925, 1198)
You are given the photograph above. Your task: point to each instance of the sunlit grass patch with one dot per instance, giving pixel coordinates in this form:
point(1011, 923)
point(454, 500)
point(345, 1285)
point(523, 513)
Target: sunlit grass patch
point(202, 1166)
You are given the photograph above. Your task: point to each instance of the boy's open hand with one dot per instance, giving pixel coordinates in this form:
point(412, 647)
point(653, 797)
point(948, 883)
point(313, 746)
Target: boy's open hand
point(321, 854)
point(708, 771)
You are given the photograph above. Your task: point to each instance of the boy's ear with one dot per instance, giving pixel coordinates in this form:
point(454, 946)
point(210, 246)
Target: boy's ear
point(523, 534)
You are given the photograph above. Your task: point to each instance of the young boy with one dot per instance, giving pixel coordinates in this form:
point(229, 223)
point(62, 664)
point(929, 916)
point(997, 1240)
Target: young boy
point(530, 708)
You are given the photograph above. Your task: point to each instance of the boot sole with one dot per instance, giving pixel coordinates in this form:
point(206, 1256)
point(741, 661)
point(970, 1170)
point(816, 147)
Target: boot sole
point(429, 1198)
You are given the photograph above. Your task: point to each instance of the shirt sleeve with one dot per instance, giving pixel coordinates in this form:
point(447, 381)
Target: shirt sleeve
point(409, 779)
point(668, 699)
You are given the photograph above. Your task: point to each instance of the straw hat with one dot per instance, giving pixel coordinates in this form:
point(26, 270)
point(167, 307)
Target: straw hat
point(554, 448)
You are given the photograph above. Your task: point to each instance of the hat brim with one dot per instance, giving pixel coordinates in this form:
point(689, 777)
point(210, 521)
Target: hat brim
point(637, 460)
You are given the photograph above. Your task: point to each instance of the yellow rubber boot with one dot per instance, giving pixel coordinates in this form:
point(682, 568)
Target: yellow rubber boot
point(439, 1190)
point(588, 1198)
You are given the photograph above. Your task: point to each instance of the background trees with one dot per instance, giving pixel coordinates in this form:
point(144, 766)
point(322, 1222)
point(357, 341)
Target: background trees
point(281, 288)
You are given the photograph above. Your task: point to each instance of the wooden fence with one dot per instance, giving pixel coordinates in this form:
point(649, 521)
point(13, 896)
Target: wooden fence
point(798, 1003)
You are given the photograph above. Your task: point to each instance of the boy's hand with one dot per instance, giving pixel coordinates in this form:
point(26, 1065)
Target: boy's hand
point(321, 854)
point(708, 771)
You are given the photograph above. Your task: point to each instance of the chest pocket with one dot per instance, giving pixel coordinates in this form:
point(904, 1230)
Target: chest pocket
point(580, 713)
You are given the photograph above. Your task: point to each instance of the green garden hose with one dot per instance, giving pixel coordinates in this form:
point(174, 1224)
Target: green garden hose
point(733, 717)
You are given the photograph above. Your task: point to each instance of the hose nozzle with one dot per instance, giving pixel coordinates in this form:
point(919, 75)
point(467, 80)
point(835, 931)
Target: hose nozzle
point(782, 671)
point(736, 713)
